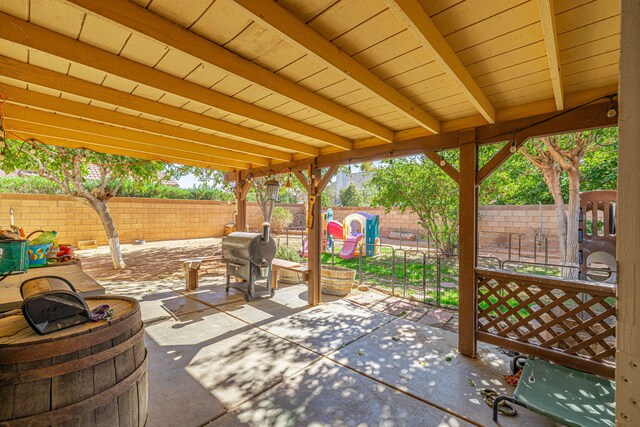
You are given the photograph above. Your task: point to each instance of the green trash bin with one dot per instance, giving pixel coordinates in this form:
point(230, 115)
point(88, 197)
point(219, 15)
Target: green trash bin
point(13, 257)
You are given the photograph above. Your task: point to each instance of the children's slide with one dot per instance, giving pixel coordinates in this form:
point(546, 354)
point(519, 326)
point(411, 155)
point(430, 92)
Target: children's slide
point(335, 229)
point(350, 245)
point(304, 250)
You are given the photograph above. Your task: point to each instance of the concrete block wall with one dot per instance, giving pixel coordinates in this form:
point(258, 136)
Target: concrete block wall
point(166, 219)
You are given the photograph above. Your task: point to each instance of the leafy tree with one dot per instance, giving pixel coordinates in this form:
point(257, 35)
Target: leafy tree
point(561, 155)
point(351, 196)
point(68, 169)
point(281, 217)
point(415, 183)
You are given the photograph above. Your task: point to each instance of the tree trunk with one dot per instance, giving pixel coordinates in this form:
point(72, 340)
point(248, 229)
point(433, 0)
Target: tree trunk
point(571, 254)
point(552, 178)
point(112, 234)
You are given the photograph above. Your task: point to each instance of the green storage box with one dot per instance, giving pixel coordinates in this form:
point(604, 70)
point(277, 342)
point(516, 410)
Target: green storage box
point(13, 256)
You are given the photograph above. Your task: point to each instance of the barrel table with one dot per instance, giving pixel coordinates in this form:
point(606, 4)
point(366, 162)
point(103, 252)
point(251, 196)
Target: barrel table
point(87, 375)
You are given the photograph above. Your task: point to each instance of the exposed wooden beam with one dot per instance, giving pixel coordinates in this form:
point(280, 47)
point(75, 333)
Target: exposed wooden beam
point(26, 34)
point(446, 167)
point(499, 158)
point(506, 114)
point(24, 130)
point(303, 179)
point(193, 141)
point(416, 19)
point(587, 117)
point(548, 22)
point(143, 21)
point(270, 14)
point(50, 79)
point(151, 142)
point(322, 183)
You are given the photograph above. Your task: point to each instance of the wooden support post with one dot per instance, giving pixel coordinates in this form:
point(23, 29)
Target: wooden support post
point(446, 167)
point(242, 188)
point(315, 238)
point(468, 216)
point(315, 183)
point(628, 236)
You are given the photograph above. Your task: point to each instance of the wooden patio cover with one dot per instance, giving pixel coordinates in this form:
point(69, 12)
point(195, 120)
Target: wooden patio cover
point(242, 84)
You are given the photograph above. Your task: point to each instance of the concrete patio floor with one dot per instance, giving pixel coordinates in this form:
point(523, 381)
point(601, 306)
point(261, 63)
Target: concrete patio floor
point(215, 359)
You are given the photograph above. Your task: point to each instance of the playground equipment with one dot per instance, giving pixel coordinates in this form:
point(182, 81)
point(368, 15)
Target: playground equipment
point(327, 239)
point(355, 229)
point(597, 235)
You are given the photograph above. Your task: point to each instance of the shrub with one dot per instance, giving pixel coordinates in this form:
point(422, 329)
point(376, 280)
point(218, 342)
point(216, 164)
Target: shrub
point(281, 218)
point(287, 253)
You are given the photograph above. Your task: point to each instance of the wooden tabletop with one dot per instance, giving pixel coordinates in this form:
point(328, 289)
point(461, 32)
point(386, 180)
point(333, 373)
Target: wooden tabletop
point(10, 287)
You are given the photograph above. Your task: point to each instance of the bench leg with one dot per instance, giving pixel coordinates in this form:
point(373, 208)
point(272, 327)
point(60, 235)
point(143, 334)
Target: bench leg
point(274, 277)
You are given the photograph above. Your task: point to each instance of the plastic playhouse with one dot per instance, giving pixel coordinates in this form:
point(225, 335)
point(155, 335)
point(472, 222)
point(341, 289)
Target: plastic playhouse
point(327, 240)
point(357, 229)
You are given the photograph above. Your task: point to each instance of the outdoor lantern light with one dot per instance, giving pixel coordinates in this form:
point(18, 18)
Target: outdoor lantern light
point(513, 147)
point(272, 189)
point(611, 111)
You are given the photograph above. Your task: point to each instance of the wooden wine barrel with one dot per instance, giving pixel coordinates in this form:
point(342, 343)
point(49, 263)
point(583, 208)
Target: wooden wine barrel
point(87, 375)
point(336, 280)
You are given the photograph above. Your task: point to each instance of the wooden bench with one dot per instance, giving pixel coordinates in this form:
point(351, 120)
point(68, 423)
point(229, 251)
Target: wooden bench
point(192, 270)
point(278, 264)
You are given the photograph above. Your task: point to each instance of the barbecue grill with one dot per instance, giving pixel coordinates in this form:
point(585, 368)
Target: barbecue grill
point(248, 257)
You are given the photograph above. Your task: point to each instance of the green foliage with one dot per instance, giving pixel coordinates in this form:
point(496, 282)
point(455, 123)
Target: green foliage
point(518, 182)
point(415, 183)
point(351, 196)
point(281, 218)
point(39, 185)
point(288, 253)
point(28, 184)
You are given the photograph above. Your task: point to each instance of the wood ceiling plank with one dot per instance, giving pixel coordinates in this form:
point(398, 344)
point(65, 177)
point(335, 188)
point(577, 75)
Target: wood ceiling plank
point(46, 78)
point(469, 12)
point(592, 75)
point(594, 48)
point(86, 73)
point(411, 13)
point(143, 50)
point(307, 9)
point(507, 59)
point(252, 38)
point(588, 13)
point(550, 33)
point(343, 16)
point(69, 49)
point(221, 31)
point(610, 81)
point(109, 145)
point(576, 38)
point(498, 25)
point(103, 34)
point(50, 62)
point(183, 13)
point(57, 16)
point(505, 74)
point(15, 51)
point(388, 50)
point(177, 64)
point(501, 45)
point(604, 59)
point(271, 15)
point(369, 33)
point(17, 8)
point(132, 133)
point(404, 63)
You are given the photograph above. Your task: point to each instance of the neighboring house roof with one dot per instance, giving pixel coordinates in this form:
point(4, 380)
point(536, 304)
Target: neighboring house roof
point(343, 179)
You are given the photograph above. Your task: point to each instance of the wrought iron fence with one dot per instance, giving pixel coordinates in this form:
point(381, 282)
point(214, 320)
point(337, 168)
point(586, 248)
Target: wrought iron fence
point(422, 274)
